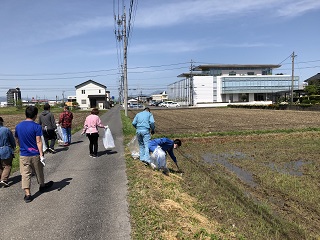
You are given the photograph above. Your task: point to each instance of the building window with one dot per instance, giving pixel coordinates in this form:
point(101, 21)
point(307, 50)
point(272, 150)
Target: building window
point(232, 73)
point(83, 101)
point(83, 91)
point(250, 73)
point(99, 91)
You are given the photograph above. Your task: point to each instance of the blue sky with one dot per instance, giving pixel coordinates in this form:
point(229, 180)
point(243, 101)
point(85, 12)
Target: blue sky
point(49, 47)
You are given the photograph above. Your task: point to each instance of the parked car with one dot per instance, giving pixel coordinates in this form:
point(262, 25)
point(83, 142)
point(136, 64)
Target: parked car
point(164, 104)
point(135, 105)
point(158, 103)
point(172, 104)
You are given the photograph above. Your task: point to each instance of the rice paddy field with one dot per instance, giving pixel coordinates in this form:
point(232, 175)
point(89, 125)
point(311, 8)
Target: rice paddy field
point(247, 174)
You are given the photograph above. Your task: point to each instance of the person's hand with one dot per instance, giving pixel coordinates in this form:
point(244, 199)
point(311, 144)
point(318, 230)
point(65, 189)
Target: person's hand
point(43, 160)
point(152, 132)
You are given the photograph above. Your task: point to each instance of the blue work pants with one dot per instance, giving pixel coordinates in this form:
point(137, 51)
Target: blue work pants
point(144, 137)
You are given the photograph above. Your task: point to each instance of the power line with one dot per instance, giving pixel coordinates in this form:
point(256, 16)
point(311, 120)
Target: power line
point(285, 59)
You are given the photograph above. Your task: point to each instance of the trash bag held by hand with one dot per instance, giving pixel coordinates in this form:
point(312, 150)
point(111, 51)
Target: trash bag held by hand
point(107, 139)
point(133, 146)
point(44, 145)
point(59, 134)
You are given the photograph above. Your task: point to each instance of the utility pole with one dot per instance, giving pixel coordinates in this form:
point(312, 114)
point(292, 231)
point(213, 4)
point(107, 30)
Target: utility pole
point(63, 97)
point(191, 83)
point(292, 76)
point(125, 76)
point(122, 35)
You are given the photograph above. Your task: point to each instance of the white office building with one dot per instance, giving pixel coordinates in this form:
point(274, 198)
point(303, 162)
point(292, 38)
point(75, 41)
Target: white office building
point(231, 83)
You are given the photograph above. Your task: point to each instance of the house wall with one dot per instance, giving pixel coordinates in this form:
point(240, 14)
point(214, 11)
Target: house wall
point(203, 89)
point(83, 92)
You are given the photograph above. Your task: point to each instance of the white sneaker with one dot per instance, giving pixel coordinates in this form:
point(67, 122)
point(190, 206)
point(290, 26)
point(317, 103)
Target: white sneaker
point(153, 166)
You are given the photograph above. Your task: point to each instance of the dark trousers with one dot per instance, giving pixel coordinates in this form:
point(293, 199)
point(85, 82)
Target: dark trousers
point(93, 143)
point(5, 168)
point(50, 134)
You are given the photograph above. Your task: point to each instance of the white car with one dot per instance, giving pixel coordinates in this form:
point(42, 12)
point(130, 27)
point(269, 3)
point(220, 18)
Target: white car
point(165, 104)
point(172, 104)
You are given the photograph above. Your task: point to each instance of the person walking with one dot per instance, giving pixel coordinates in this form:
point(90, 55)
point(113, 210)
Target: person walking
point(144, 123)
point(90, 128)
point(28, 136)
point(48, 123)
point(158, 147)
point(7, 147)
point(65, 121)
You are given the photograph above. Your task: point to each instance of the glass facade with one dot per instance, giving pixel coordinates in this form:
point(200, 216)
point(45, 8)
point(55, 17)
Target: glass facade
point(268, 84)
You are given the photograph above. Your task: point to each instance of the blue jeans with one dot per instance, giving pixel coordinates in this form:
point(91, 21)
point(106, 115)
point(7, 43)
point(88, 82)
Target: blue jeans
point(66, 135)
point(144, 137)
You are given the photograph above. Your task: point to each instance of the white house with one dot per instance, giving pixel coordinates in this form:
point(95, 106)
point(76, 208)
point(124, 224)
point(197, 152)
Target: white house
point(91, 94)
point(227, 83)
point(160, 97)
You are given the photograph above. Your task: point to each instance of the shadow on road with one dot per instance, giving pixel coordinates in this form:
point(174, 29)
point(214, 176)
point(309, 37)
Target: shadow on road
point(76, 142)
point(15, 179)
point(107, 152)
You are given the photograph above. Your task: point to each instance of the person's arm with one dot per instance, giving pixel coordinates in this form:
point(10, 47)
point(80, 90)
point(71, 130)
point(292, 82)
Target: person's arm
point(39, 144)
point(85, 127)
point(134, 122)
point(99, 123)
point(152, 124)
point(53, 121)
point(171, 154)
point(12, 140)
point(173, 157)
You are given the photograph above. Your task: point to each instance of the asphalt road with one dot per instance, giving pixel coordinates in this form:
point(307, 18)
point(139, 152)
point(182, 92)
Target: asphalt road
point(87, 200)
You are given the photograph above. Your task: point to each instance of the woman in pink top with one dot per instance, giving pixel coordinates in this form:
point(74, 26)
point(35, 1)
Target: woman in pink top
point(91, 125)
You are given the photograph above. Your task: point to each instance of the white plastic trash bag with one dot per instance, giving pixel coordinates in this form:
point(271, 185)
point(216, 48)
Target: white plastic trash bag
point(59, 134)
point(108, 139)
point(158, 157)
point(44, 145)
point(134, 148)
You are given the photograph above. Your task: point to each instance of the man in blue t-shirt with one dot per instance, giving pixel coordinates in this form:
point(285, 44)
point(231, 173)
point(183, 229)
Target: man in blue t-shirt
point(159, 147)
point(28, 135)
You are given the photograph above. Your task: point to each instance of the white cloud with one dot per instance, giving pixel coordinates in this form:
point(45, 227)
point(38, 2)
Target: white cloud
point(168, 47)
point(297, 8)
point(167, 14)
point(192, 46)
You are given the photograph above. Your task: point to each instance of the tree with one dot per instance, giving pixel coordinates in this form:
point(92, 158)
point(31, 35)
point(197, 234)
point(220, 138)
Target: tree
point(311, 89)
point(18, 104)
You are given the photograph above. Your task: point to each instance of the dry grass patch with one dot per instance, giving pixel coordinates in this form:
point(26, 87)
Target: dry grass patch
point(160, 209)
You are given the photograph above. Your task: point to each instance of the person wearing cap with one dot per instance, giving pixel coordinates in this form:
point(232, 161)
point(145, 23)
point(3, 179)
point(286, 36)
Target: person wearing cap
point(144, 124)
point(159, 147)
point(7, 147)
